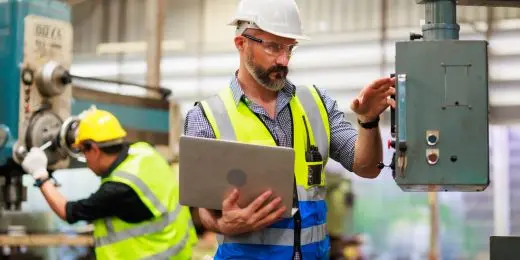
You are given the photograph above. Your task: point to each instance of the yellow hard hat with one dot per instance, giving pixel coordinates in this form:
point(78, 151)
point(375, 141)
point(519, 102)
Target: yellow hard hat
point(99, 126)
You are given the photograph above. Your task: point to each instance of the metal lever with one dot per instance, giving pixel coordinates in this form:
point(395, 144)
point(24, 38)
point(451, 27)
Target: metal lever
point(392, 115)
point(46, 145)
point(164, 92)
point(391, 142)
point(23, 151)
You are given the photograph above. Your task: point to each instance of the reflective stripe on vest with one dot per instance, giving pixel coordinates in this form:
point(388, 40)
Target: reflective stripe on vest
point(144, 188)
point(314, 116)
point(166, 219)
point(153, 227)
point(223, 121)
point(312, 194)
point(174, 250)
point(278, 236)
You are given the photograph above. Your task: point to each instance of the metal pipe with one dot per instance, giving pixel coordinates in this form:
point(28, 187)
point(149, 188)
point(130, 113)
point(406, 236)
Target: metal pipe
point(441, 20)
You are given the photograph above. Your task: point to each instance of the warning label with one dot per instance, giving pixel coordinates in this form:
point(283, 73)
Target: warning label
point(47, 39)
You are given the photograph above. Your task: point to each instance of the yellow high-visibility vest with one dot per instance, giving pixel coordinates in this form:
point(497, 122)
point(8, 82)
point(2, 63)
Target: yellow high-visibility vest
point(232, 121)
point(169, 234)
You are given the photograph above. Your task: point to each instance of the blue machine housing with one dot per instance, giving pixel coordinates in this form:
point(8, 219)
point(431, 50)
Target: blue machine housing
point(12, 14)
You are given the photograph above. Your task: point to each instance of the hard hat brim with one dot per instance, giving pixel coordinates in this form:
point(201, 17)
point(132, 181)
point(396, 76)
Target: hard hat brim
point(288, 35)
point(234, 22)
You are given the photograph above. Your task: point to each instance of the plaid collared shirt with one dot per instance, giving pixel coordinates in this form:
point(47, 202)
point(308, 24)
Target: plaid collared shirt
point(342, 134)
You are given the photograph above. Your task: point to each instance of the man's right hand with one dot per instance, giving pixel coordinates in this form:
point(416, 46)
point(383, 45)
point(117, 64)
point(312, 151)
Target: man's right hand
point(255, 216)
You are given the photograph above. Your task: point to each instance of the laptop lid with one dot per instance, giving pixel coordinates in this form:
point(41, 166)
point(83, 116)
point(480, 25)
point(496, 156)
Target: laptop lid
point(209, 169)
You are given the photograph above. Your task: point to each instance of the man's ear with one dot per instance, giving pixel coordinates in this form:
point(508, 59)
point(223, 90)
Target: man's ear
point(95, 149)
point(239, 43)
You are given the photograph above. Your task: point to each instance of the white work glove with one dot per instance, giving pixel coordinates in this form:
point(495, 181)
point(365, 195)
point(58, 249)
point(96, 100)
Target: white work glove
point(35, 163)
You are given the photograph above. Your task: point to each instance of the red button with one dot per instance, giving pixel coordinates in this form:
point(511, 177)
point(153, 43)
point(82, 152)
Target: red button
point(432, 157)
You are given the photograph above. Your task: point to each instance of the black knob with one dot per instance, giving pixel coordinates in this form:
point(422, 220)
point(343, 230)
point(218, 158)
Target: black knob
point(402, 147)
point(415, 36)
point(432, 139)
point(380, 165)
point(66, 78)
point(27, 76)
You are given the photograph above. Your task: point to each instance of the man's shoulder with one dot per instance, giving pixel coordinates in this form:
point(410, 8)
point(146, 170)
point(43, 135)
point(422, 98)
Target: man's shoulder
point(312, 87)
point(195, 111)
point(326, 99)
point(196, 123)
point(197, 107)
point(139, 146)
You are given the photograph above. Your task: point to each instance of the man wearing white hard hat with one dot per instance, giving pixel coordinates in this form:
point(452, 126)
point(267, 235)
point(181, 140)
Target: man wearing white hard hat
point(262, 106)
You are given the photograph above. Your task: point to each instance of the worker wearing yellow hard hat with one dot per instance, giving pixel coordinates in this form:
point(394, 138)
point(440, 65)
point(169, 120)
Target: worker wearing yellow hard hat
point(96, 120)
point(135, 211)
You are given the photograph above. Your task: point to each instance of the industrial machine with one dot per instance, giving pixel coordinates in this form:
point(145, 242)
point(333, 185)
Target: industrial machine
point(35, 55)
point(36, 39)
point(36, 110)
point(440, 124)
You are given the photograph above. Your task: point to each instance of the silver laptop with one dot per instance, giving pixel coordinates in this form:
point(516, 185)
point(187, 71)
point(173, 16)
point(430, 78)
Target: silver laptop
point(210, 169)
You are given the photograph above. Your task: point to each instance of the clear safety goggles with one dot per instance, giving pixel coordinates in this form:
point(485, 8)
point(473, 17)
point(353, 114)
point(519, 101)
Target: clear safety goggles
point(270, 47)
point(273, 48)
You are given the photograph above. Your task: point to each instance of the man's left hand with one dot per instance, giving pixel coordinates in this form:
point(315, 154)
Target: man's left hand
point(374, 99)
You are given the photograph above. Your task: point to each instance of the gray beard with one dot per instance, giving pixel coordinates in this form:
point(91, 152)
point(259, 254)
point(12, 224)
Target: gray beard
point(262, 77)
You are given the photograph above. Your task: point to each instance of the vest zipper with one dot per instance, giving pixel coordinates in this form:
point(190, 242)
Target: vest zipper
point(297, 216)
point(297, 226)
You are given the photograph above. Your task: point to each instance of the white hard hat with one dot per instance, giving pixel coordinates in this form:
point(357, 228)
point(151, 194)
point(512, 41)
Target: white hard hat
point(278, 17)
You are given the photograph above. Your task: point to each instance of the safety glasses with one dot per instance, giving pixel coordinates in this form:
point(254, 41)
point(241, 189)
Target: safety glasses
point(273, 48)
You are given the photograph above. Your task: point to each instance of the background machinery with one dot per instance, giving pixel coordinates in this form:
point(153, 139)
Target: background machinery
point(36, 88)
point(37, 98)
point(38, 108)
point(35, 110)
point(440, 125)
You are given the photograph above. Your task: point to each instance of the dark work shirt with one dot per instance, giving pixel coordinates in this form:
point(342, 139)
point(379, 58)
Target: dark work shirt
point(112, 199)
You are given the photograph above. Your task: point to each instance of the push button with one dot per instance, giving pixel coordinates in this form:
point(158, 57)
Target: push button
point(432, 156)
point(432, 137)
